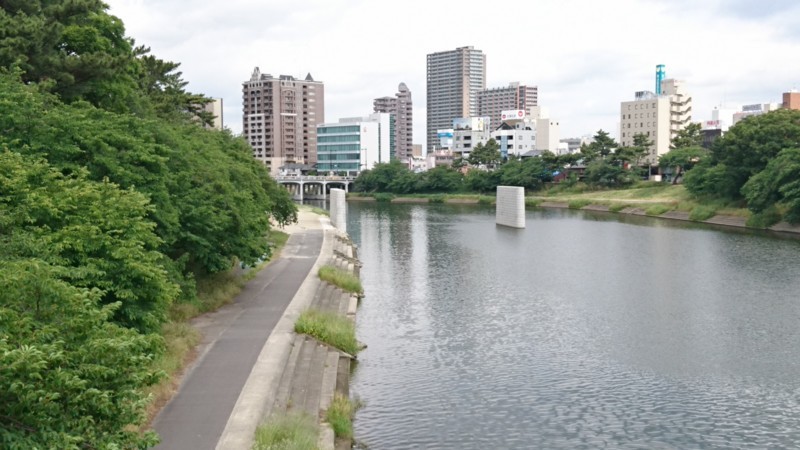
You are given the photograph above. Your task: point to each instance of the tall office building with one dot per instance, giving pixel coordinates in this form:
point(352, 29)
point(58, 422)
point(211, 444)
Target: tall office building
point(280, 118)
point(492, 102)
point(658, 116)
point(455, 77)
point(401, 107)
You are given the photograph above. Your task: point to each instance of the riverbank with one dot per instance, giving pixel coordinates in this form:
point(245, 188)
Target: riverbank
point(649, 199)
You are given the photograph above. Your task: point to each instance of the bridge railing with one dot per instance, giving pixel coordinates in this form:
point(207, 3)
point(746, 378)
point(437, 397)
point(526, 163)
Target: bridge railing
point(314, 178)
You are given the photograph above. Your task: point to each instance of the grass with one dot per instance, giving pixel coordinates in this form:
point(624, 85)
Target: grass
point(487, 200)
point(383, 197)
point(438, 198)
point(341, 279)
point(340, 415)
point(658, 209)
point(532, 202)
point(332, 329)
point(617, 207)
point(579, 203)
point(180, 338)
point(320, 211)
point(287, 432)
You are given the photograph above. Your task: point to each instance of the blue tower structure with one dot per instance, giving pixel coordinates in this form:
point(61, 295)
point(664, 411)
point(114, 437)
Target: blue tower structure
point(659, 78)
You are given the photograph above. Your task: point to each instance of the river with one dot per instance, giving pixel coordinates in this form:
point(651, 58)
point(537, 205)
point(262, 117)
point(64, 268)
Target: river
point(582, 331)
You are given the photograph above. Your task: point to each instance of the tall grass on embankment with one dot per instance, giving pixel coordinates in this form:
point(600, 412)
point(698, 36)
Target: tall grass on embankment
point(340, 415)
point(287, 432)
point(330, 328)
point(341, 279)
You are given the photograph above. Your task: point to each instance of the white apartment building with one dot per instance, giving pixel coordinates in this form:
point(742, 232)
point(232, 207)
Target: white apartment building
point(659, 117)
point(468, 132)
point(516, 135)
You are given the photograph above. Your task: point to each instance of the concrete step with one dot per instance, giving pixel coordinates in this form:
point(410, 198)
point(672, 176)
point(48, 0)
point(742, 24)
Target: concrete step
point(329, 379)
point(282, 396)
point(297, 392)
point(313, 391)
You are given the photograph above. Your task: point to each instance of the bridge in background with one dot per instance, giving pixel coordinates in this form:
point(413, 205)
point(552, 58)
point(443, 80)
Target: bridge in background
point(316, 187)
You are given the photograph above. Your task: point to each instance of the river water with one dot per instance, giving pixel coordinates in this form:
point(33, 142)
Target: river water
point(582, 331)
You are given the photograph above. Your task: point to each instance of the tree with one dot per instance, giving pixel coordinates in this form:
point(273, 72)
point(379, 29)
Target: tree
point(633, 154)
point(690, 136)
point(604, 174)
point(440, 179)
point(778, 182)
point(602, 144)
point(485, 154)
point(745, 150)
point(380, 177)
point(682, 160)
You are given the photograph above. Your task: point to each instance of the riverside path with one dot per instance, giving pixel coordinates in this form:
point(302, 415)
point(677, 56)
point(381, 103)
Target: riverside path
point(233, 339)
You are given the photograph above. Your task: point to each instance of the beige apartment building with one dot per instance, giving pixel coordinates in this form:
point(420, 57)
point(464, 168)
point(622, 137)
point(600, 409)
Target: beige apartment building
point(492, 102)
point(401, 107)
point(659, 117)
point(280, 118)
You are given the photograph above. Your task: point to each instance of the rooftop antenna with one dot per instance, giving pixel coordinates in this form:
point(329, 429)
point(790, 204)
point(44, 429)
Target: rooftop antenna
point(659, 78)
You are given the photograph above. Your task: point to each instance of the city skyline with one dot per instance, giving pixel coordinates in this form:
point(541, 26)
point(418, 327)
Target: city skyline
point(584, 59)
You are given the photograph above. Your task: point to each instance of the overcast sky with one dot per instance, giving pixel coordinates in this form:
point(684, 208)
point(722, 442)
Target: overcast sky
point(586, 56)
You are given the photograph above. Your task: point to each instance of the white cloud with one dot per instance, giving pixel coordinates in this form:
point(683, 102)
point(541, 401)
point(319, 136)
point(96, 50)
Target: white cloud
point(586, 56)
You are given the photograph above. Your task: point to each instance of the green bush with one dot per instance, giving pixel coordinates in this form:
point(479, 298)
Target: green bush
point(765, 219)
point(617, 207)
point(657, 209)
point(383, 197)
point(702, 212)
point(332, 329)
point(438, 198)
point(486, 200)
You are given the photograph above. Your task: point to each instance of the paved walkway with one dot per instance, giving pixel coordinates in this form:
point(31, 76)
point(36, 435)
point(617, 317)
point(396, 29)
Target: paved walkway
point(235, 353)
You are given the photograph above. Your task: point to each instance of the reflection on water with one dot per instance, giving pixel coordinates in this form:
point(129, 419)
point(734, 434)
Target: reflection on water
point(580, 331)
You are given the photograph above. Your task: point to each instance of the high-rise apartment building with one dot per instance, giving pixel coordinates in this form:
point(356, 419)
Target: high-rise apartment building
point(280, 118)
point(492, 102)
point(454, 79)
point(659, 117)
point(401, 107)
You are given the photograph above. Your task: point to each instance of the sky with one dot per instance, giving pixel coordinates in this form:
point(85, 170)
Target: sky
point(585, 56)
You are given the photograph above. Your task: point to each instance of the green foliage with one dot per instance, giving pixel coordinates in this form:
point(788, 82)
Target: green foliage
point(482, 181)
point(287, 432)
point(617, 207)
point(702, 212)
point(657, 209)
point(532, 202)
point(486, 200)
point(69, 378)
point(779, 182)
point(682, 159)
point(690, 136)
point(341, 279)
point(383, 197)
point(97, 230)
point(766, 218)
point(604, 174)
point(381, 177)
point(340, 415)
point(439, 179)
point(634, 153)
point(485, 154)
point(744, 151)
point(439, 198)
point(330, 328)
point(602, 145)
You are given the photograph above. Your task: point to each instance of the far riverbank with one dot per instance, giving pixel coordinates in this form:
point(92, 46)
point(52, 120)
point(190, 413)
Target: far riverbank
point(653, 200)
